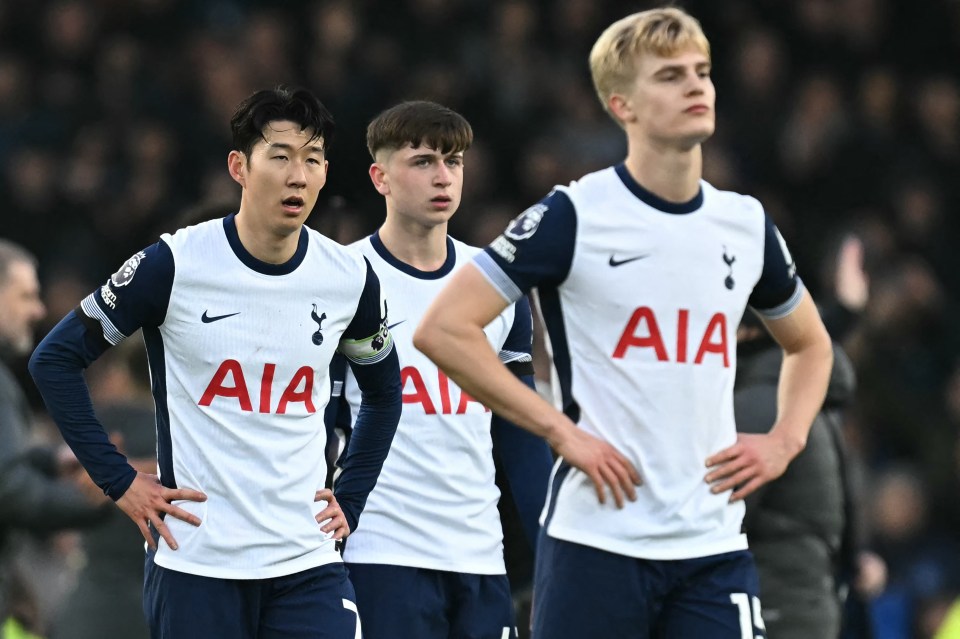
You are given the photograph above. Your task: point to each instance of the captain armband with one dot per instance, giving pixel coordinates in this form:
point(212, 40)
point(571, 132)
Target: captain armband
point(369, 350)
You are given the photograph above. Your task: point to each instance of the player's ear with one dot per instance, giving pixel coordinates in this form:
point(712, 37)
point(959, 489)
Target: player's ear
point(379, 178)
point(620, 107)
point(237, 166)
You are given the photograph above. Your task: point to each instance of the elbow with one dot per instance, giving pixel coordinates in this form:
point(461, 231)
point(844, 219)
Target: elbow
point(37, 365)
point(424, 339)
point(825, 347)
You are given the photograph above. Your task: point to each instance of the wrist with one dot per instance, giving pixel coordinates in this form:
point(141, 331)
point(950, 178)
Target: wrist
point(791, 441)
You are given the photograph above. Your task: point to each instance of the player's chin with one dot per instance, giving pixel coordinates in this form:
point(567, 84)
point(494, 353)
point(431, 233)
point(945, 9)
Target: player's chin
point(694, 135)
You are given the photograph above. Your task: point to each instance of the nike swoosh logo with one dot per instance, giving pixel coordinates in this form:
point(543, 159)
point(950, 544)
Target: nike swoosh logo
point(206, 319)
point(396, 324)
point(615, 262)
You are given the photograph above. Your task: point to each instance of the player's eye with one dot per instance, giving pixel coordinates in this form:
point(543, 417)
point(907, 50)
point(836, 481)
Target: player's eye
point(455, 161)
point(279, 157)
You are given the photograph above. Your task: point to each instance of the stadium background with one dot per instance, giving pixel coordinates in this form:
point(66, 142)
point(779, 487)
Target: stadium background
point(841, 116)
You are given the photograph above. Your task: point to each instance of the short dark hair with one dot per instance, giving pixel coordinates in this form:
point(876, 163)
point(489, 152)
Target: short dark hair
point(280, 103)
point(11, 252)
point(419, 122)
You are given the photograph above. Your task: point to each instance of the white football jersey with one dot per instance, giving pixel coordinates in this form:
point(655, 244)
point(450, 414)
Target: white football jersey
point(435, 503)
point(239, 353)
point(641, 299)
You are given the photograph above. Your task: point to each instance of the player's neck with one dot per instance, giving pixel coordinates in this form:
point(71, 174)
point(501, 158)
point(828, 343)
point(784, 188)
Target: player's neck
point(264, 244)
point(422, 247)
point(671, 174)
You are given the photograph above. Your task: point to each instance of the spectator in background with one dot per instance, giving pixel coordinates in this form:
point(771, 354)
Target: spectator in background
point(107, 600)
point(795, 523)
point(33, 495)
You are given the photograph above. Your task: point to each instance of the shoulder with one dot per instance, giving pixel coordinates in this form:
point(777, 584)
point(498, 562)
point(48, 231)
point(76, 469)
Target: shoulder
point(601, 178)
point(464, 250)
point(194, 233)
point(323, 247)
point(732, 202)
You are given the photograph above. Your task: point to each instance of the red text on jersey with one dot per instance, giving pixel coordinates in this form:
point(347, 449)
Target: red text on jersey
point(643, 331)
point(420, 394)
point(230, 382)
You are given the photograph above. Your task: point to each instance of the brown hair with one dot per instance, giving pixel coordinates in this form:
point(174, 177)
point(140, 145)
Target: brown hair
point(419, 122)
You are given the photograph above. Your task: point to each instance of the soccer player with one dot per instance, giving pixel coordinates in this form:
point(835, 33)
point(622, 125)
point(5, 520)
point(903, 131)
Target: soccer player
point(643, 272)
point(241, 317)
point(427, 561)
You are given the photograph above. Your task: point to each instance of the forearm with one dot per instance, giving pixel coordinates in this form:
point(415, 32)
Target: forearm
point(57, 368)
point(465, 355)
point(804, 376)
point(372, 434)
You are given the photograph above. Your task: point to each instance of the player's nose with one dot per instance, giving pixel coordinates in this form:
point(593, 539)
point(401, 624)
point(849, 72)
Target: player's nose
point(297, 175)
point(443, 176)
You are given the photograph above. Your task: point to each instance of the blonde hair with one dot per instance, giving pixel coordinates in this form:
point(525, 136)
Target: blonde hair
point(664, 32)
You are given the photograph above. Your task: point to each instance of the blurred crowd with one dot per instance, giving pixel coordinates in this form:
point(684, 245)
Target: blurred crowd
point(841, 116)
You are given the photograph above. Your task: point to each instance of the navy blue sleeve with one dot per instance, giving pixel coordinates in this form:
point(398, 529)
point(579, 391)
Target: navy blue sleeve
point(337, 416)
point(517, 349)
point(367, 339)
point(526, 461)
point(536, 249)
point(57, 368)
point(779, 289)
point(374, 363)
point(136, 295)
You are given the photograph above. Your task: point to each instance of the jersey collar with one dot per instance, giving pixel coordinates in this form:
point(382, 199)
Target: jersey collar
point(656, 201)
point(230, 228)
point(389, 258)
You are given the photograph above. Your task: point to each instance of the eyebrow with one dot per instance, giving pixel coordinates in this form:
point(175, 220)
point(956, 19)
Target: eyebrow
point(283, 146)
point(680, 67)
point(430, 156)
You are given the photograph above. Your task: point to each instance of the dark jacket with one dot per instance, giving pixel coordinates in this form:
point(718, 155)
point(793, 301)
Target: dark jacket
point(31, 497)
point(796, 523)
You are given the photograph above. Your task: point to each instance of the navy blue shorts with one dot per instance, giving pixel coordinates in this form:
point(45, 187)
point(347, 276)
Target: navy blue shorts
point(318, 603)
point(580, 591)
point(399, 602)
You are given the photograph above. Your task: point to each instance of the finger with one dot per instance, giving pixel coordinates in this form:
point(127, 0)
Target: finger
point(735, 480)
point(164, 532)
point(629, 477)
point(182, 494)
point(334, 523)
point(328, 513)
point(747, 489)
point(724, 455)
point(182, 515)
point(597, 480)
point(625, 477)
point(635, 476)
point(324, 494)
point(726, 470)
point(145, 531)
point(613, 481)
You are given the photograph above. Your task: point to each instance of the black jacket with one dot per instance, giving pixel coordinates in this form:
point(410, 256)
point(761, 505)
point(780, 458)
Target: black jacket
point(796, 524)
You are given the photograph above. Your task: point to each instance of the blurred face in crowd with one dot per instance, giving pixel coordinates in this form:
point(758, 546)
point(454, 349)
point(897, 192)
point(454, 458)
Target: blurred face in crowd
point(672, 101)
point(20, 307)
point(281, 178)
point(421, 185)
